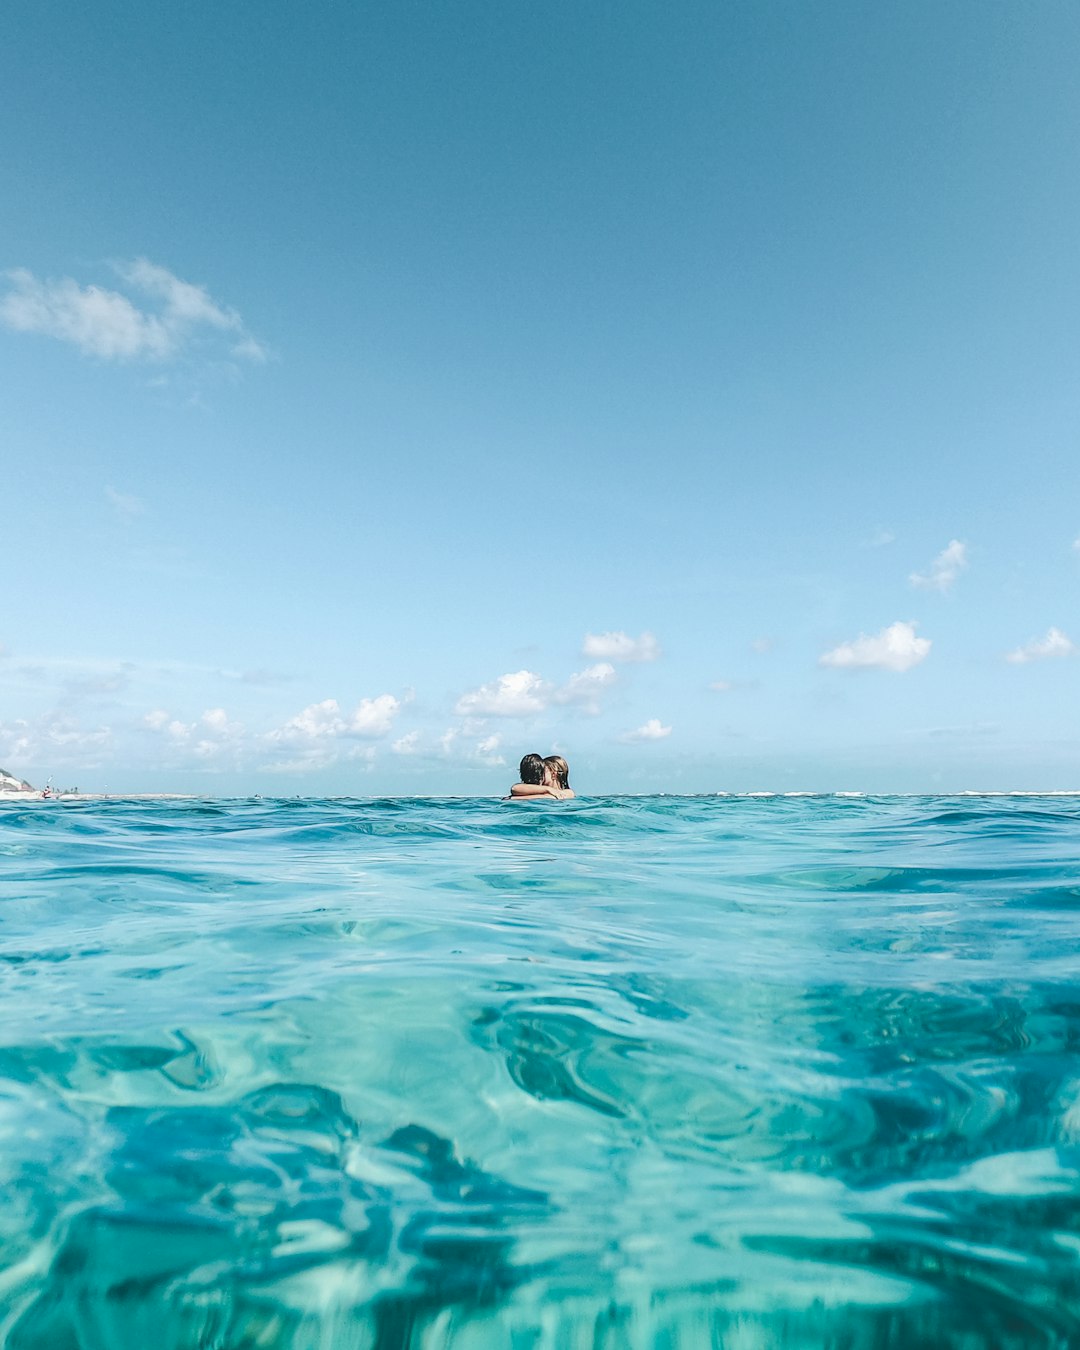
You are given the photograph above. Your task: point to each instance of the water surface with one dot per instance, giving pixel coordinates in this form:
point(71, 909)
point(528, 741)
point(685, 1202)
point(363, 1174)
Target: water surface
point(634, 1072)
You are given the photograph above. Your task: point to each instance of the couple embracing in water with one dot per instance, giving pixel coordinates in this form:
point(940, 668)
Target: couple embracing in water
point(548, 777)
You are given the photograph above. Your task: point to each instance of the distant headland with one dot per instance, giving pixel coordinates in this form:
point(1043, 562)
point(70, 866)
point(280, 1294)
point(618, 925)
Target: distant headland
point(9, 783)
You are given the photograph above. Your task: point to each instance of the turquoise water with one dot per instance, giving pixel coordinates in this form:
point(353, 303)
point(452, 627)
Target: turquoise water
point(670, 1072)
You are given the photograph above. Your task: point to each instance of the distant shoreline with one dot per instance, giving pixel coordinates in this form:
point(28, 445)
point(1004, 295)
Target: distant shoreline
point(38, 795)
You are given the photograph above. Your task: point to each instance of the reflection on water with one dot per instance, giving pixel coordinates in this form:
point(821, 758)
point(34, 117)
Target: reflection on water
point(632, 1072)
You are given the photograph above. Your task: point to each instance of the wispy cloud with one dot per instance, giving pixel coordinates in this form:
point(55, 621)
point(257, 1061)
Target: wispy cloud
point(109, 325)
point(894, 648)
point(456, 743)
point(943, 571)
point(1055, 643)
point(263, 678)
point(652, 730)
point(124, 504)
point(315, 738)
point(975, 729)
point(203, 741)
point(98, 683)
point(584, 688)
point(620, 647)
point(54, 738)
point(880, 538)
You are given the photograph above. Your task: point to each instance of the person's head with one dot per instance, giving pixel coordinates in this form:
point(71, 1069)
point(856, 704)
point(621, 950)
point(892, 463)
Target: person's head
point(559, 769)
point(531, 770)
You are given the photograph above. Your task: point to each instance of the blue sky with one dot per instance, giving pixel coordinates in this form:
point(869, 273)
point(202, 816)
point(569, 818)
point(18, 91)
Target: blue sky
point(388, 391)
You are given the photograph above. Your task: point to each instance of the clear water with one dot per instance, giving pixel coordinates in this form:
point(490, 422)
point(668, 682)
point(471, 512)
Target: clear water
point(671, 1072)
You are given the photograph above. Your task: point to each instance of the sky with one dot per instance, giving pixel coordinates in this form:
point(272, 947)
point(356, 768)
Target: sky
point(388, 391)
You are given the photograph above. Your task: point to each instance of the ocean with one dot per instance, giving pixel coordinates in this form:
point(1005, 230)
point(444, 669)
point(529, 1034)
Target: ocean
point(614, 1072)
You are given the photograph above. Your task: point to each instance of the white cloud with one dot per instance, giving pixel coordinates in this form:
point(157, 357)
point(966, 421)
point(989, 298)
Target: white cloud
point(325, 721)
point(109, 325)
point(652, 730)
point(250, 349)
point(894, 648)
point(453, 742)
point(521, 694)
point(98, 322)
point(408, 744)
point(881, 538)
point(584, 687)
point(620, 647)
point(63, 732)
point(487, 750)
point(205, 739)
point(943, 571)
point(164, 722)
point(316, 721)
point(183, 302)
point(54, 739)
point(1055, 643)
point(762, 645)
point(722, 686)
point(374, 716)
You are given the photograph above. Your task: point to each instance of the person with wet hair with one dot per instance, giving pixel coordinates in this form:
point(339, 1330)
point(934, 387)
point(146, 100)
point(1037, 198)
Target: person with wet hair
point(535, 780)
point(558, 775)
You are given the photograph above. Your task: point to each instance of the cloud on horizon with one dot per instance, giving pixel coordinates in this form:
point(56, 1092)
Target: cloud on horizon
point(110, 326)
point(895, 648)
point(55, 736)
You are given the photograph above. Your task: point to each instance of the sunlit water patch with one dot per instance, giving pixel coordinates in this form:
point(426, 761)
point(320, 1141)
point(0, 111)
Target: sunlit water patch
point(615, 1072)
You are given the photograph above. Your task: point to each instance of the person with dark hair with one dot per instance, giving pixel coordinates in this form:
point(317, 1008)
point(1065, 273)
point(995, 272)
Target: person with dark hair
point(531, 771)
